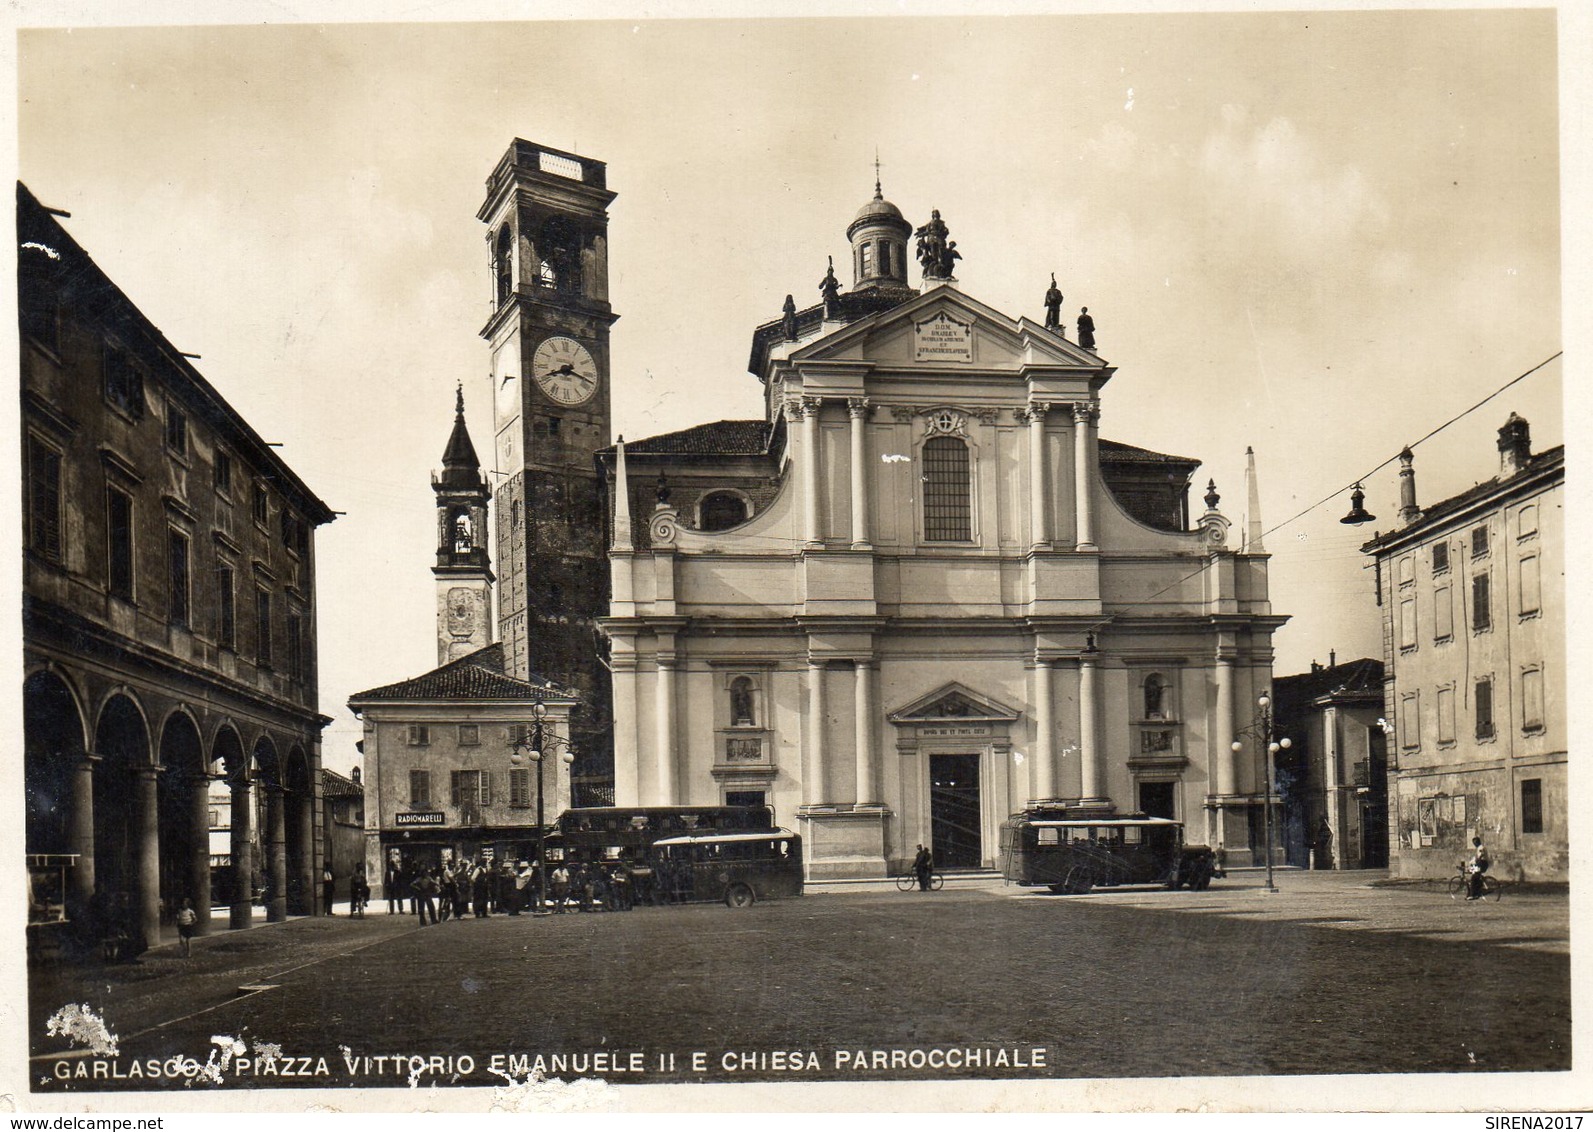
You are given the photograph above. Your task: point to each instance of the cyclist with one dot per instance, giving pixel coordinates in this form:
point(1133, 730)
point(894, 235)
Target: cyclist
point(1476, 867)
point(924, 867)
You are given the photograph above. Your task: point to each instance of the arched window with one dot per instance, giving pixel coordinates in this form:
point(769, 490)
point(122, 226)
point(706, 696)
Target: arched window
point(947, 516)
point(722, 510)
point(1156, 697)
point(503, 264)
point(546, 275)
point(741, 708)
point(884, 257)
point(514, 514)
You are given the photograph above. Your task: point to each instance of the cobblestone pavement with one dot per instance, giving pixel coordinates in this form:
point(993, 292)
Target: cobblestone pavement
point(1328, 976)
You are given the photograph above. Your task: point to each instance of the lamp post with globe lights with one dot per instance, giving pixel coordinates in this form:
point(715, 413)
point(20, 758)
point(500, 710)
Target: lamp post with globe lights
point(539, 746)
point(1261, 733)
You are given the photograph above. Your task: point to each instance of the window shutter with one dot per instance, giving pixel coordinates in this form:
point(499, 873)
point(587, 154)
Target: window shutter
point(453, 787)
point(486, 788)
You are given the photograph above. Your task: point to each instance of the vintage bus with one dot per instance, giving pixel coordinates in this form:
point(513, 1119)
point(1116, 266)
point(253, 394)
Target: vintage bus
point(738, 868)
point(597, 833)
point(1069, 854)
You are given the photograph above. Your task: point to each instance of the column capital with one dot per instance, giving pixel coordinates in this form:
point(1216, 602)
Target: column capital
point(1084, 412)
point(150, 771)
point(1034, 412)
point(792, 407)
point(812, 404)
point(858, 407)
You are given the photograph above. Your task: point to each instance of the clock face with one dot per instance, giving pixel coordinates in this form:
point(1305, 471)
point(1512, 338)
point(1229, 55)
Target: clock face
point(506, 379)
point(564, 370)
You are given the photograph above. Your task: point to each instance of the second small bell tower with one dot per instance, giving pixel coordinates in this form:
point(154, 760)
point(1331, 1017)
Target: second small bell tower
point(463, 570)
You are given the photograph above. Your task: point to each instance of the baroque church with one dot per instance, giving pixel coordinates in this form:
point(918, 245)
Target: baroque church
point(917, 594)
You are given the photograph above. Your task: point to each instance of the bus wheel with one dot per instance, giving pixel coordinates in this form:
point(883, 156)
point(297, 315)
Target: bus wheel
point(739, 896)
point(1058, 889)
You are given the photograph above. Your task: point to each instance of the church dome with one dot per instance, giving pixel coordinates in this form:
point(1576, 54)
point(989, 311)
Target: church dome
point(878, 212)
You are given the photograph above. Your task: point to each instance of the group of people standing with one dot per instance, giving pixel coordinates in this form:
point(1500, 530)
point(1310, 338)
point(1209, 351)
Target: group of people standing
point(482, 887)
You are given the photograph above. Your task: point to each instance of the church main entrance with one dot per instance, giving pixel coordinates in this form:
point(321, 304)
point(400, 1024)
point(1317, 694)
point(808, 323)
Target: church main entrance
point(954, 810)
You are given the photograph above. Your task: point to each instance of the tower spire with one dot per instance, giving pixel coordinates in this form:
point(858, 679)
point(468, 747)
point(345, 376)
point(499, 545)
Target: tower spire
point(878, 194)
point(1252, 543)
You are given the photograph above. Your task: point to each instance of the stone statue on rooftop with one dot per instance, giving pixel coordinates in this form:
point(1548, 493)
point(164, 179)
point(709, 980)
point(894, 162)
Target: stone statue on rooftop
point(830, 288)
point(933, 250)
point(1086, 329)
point(1053, 306)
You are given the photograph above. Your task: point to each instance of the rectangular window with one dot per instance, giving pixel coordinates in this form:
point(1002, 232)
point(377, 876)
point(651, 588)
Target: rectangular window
point(469, 788)
point(868, 260)
point(223, 472)
point(260, 502)
point(884, 257)
point(1410, 723)
point(419, 735)
point(1407, 570)
point(1440, 557)
point(226, 608)
point(1446, 715)
point(1532, 805)
point(420, 788)
point(1482, 697)
point(1531, 585)
point(1481, 605)
point(176, 430)
point(1479, 541)
point(519, 787)
point(469, 734)
point(1443, 614)
point(40, 311)
point(262, 626)
point(119, 543)
point(124, 385)
point(947, 517)
point(1407, 623)
point(44, 499)
point(179, 591)
point(1532, 700)
point(295, 631)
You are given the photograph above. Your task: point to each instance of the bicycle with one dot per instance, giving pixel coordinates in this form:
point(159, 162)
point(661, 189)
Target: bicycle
point(906, 882)
point(1459, 886)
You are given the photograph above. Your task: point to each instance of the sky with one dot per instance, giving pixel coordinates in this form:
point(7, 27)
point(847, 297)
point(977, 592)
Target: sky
point(1317, 234)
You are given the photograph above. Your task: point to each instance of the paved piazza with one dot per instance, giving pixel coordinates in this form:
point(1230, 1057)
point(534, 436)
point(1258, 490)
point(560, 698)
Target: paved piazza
point(1332, 974)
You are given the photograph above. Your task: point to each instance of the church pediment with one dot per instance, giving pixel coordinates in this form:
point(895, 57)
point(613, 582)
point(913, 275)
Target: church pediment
point(945, 329)
point(954, 703)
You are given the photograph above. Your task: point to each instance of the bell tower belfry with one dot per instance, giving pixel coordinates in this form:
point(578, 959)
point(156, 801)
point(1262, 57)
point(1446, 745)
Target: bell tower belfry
point(547, 243)
point(463, 571)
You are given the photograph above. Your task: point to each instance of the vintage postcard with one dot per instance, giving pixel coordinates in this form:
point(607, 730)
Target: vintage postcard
point(911, 559)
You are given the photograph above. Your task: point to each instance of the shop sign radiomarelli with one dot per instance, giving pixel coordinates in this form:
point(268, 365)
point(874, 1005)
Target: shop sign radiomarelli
point(419, 817)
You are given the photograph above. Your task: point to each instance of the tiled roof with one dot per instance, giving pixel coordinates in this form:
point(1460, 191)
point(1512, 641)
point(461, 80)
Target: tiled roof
point(1114, 452)
point(334, 785)
point(1446, 507)
point(479, 676)
point(1354, 676)
point(720, 438)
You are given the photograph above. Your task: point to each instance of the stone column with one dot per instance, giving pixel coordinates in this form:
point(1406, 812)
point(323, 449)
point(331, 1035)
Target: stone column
point(309, 879)
point(1331, 783)
point(867, 750)
point(241, 911)
point(809, 410)
point(146, 819)
point(1222, 730)
point(277, 852)
point(1083, 507)
point(1045, 732)
point(199, 854)
point(80, 832)
point(857, 408)
point(664, 712)
point(816, 790)
point(1093, 773)
point(1039, 487)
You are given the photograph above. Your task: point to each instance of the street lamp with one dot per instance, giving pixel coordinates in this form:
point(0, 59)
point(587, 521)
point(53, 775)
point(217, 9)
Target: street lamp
point(535, 746)
point(1261, 732)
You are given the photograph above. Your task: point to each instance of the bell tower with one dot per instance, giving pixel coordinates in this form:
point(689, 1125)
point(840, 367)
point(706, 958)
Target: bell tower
point(463, 572)
point(547, 244)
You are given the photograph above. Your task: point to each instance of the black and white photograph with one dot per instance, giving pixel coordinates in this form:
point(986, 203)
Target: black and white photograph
point(900, 558)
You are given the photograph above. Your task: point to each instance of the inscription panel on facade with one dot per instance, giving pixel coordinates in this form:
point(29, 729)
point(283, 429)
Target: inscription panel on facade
point(942, 339)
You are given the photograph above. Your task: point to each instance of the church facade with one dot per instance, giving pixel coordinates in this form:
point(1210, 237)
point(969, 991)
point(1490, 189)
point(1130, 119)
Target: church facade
point(921, 591)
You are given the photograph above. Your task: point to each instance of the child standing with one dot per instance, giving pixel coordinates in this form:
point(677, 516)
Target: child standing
point(187, 918)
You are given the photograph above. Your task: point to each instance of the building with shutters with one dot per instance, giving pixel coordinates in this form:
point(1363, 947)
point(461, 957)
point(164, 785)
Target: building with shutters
point(921, 591)
point(1472, 590)
point(168, 615)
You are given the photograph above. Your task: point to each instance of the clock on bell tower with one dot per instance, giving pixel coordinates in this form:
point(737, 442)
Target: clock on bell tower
point(547, 241)
point(463, 572)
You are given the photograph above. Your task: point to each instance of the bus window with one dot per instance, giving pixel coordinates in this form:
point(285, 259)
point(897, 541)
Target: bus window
point(1130, 835)
point(1049, 836)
